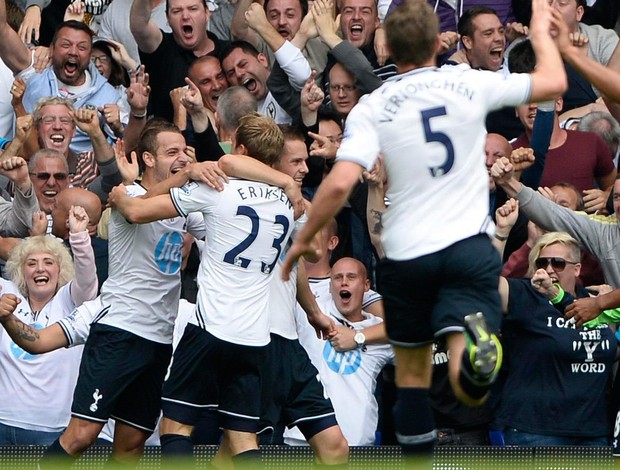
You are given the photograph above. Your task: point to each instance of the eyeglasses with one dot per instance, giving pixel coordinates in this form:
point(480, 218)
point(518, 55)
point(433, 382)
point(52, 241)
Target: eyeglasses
point(104, 59)
point(344, 88)
point(558, 264)
point(52, 119)
point(44, 176)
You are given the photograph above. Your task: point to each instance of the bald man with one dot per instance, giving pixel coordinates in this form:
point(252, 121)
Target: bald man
point(92, 205)
point(496, 146)
point(75, 197)
point(206, 73)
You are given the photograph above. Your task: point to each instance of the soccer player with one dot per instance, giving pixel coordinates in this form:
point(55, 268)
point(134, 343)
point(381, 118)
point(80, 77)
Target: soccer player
point(219, 362)
point(440, 265)
point(292, 395)
point(130, 341)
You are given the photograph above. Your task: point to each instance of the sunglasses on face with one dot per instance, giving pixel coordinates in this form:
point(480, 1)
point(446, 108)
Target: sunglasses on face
point(44, 176)
point(558, 264)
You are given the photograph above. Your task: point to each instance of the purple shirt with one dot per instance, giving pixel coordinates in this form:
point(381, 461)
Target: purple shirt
point(448, 17)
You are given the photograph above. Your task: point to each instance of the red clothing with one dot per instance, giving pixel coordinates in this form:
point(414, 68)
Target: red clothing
point(582, 159)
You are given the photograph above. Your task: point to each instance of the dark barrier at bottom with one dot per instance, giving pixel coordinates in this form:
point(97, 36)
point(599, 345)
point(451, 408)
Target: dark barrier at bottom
point(384, 457)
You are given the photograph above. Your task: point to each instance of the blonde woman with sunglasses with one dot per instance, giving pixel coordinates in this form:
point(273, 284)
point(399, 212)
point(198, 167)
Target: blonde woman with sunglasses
point(556, 374)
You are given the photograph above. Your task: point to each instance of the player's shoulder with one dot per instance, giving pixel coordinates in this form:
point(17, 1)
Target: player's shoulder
point(135, 190)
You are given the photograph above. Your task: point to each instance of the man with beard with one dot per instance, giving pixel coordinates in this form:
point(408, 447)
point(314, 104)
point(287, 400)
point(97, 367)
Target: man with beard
point(71, 74)
point(177, 50)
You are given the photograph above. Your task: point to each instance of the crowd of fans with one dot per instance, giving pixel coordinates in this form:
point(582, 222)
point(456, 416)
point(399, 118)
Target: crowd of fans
point(86, 89)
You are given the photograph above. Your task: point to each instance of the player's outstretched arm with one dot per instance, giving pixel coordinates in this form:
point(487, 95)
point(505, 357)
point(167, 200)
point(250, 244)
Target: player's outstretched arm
point(248, 168)
point(323, 325)
point(549, 79)
point(26, 337)
point(142, 210)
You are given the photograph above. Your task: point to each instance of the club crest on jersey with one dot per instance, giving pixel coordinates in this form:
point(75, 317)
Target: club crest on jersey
point(343, 363)
point(271, 110)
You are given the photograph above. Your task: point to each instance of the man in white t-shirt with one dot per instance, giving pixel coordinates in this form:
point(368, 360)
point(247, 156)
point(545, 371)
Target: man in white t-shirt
point(349, 377)
point(440, 266)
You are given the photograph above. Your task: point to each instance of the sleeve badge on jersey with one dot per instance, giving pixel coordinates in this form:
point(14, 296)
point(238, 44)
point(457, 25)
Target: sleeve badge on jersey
point(189, 187)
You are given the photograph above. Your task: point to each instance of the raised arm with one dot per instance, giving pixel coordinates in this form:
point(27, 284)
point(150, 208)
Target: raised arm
point(31, 23)
point(239, 26)
point(549, 78)
point(375, 206)
point(505, 219)
point(85, 283)
point(13, 51)
point(288, 56)
point(16, 217)
point(88, 121)
point(147, 34)
point(606, 79)
point(351, 57)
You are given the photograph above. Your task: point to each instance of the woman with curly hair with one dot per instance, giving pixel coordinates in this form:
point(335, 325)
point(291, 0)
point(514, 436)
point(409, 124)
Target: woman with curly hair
point(49, 285)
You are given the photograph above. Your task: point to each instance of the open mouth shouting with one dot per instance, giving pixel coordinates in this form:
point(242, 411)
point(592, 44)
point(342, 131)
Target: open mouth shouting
point(284, 32)
point(345, 296)
point(356, 32)
point(497, 53)
point(71, 69)
point(187, 30)
point(251, 84)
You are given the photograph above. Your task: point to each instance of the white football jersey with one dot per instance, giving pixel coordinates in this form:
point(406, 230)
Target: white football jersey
point(144, 283)
point(37, 389)
point(283, 297)
point(269, 107)
point(429, 125)
point(247, 227)
point(76, 325)
point(349, 378)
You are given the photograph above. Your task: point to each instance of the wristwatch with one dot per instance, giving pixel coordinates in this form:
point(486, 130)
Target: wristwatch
point(360, 339)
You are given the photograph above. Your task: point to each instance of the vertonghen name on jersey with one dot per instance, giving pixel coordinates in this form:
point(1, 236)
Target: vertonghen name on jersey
point(401, 95)
point(264, 192)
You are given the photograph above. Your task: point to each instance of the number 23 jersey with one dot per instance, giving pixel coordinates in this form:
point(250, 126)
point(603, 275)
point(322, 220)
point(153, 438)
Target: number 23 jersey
point(247, 227)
